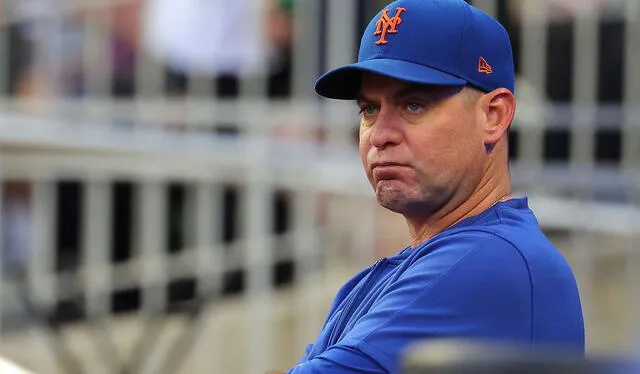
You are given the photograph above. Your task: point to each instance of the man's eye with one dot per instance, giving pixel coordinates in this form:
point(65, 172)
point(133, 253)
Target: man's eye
point(414, 107)
point(368, 110)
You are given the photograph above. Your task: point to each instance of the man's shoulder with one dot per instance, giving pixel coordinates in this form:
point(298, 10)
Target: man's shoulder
point(478, 266)
point(510, 232)
point(462, 242)
point(468, 245)
point(503, 253)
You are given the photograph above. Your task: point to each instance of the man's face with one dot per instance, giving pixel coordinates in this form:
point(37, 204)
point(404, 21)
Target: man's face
point(421, 146)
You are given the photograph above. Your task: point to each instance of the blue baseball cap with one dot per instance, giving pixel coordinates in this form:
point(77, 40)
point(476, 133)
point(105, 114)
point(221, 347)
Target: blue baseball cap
point(436, 42)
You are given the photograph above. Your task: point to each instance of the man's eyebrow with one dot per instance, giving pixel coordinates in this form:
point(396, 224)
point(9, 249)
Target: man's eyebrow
point(361, 98)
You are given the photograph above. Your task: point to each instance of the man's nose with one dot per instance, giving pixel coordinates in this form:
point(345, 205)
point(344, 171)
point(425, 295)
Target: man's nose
point(386, 131)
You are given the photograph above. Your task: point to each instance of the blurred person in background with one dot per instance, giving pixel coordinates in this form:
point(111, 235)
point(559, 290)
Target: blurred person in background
point(215, 40)
point(220, 40)
point(224, 43)
point(435, 86)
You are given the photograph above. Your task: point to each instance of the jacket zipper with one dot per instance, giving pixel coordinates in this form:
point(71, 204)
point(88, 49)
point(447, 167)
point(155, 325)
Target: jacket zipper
point(348, 309)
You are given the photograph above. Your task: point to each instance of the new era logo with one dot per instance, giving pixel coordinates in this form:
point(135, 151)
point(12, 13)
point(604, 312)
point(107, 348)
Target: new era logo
point(484, 67)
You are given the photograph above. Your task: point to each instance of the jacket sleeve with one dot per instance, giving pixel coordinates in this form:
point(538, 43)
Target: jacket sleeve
point(341, 359)
point(466, 289)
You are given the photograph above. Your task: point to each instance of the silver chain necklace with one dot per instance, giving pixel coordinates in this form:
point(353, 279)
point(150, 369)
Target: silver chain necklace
point(500, 198)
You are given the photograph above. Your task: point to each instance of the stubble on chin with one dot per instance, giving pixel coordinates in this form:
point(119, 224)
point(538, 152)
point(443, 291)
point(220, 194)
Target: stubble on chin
point(407, 202)
point(392, 200)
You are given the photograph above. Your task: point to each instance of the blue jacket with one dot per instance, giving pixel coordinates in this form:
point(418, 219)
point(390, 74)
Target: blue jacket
point(491, 276)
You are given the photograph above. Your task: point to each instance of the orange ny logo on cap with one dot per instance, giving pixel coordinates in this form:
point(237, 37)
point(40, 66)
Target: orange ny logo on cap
point(484, 67)
point(388, 25)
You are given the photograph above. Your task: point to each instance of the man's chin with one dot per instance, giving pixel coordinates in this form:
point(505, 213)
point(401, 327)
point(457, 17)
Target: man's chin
point(391, 202)
point(390, 187)
point(398, 202)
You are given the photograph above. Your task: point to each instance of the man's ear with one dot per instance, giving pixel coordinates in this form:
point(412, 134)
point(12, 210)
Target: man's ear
point(499, 108)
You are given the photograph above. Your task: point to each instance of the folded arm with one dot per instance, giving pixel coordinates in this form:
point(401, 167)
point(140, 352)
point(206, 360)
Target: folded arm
point(456, 293)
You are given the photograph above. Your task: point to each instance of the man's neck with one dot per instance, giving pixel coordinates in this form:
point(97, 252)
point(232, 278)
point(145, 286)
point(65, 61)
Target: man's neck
point(424, 228)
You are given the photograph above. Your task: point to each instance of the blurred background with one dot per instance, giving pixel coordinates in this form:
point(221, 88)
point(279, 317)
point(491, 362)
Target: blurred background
point(176, 199)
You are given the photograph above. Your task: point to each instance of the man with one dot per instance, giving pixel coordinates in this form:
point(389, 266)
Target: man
point(435, 86)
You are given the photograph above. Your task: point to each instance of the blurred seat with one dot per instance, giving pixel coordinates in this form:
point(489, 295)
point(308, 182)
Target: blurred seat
point(477, 357)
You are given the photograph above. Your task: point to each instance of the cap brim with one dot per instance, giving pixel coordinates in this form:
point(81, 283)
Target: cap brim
point(344, 83)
